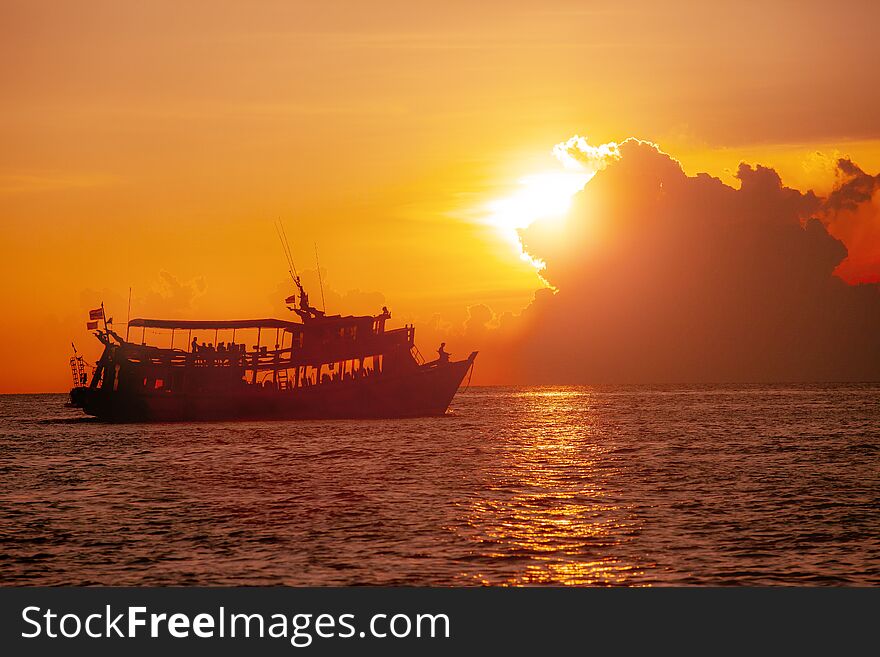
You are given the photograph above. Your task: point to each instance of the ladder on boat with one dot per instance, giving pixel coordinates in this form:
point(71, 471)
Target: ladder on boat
point(281, 379)
point(78, 371)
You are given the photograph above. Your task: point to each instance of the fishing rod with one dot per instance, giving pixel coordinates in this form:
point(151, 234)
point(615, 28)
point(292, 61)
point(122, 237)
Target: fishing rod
point(285, 246)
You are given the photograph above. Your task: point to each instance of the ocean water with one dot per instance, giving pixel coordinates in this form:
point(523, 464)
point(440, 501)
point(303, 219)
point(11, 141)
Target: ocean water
point(632, 486)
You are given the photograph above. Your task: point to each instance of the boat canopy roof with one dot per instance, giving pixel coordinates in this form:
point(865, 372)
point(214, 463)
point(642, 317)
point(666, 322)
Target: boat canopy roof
point(201, 325)
point(270, 323)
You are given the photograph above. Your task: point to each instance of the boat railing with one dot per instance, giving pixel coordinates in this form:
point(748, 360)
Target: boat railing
point(268, 359)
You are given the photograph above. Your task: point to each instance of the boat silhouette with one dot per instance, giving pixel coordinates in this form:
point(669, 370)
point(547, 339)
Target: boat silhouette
point(322, 366)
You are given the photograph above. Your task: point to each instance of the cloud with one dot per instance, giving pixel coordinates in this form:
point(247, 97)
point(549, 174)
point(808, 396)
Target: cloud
point(170, 295)
point(167, 297)
point(350, 302)
point(479, 321)
point(52, 181)
point(851, 213)
point(660, 276)
point(577, 153)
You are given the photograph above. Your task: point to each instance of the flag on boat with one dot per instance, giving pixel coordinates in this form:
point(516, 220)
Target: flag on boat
point(92, 325)
point(97, 313)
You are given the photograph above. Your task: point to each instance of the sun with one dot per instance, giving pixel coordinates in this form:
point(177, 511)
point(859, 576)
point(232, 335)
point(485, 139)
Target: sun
point(545, 195)
point(548, 194)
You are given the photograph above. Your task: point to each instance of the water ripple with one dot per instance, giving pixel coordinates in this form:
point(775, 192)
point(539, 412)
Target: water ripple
point(518, 486)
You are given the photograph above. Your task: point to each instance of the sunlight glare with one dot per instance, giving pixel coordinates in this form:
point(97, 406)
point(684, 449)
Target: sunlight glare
point(544, 195)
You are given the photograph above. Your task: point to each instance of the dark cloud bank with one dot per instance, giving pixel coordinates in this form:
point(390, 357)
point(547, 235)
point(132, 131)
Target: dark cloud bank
point(661, 277)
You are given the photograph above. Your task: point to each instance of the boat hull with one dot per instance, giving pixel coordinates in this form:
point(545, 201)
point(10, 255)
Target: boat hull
point(426, 390)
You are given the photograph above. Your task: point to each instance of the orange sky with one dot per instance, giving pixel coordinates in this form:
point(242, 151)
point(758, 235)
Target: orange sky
point(152, 144)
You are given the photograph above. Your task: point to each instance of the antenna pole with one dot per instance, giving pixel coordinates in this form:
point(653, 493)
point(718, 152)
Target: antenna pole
point(128, 317)
point(320, 280)
point(285, 246)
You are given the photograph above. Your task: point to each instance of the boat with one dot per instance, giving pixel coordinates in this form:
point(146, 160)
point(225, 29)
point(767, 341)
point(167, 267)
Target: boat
point(315, 367)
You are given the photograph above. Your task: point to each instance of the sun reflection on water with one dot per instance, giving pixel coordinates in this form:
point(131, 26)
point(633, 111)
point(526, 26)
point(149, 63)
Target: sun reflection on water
point(549, 513)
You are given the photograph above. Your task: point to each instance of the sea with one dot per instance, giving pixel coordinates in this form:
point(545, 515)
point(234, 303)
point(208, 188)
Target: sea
point(583, 486)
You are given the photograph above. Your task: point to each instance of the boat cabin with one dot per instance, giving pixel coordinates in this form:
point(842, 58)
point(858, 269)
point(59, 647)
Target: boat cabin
point(204, 356)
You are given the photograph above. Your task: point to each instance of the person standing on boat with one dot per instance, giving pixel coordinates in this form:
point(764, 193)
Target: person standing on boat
point(195, 345)
point(442, 353)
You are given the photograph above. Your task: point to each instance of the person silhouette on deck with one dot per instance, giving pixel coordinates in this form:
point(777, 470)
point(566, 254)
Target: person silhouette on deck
point(442, 353)
point(195, 345)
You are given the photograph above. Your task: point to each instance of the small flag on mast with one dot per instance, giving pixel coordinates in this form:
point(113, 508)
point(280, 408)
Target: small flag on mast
point(92, 325)
point(97, 313)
